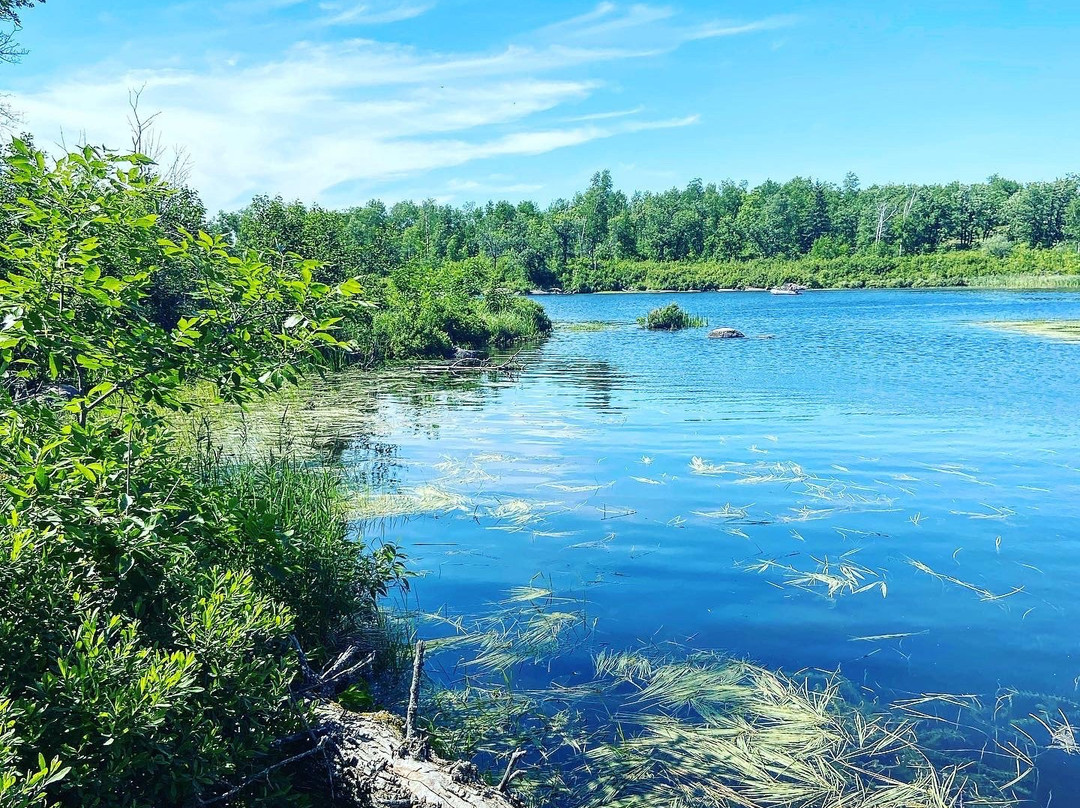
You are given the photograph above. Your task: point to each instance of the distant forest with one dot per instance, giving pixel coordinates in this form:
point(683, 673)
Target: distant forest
point(527, 246)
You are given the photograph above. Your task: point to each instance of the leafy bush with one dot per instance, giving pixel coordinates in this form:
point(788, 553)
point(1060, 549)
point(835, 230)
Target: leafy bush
point(429, 313)
point(151, 604)
point(669, 318)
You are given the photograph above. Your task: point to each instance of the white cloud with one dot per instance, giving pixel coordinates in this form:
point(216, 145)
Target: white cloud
point(603, 116)
point(712, 30)
point(607, 19)
point(361, 112)
point(369, 14)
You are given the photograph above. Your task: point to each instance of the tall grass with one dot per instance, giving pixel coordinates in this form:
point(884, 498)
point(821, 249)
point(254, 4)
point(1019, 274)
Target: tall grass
point(1026, 281)
point(292, 526)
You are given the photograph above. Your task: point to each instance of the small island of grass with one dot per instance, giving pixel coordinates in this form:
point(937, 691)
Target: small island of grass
point(670, 318)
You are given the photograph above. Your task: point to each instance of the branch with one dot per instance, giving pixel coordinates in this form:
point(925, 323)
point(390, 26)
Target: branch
point(509, 775)
point(237, 789)
point(414, 695)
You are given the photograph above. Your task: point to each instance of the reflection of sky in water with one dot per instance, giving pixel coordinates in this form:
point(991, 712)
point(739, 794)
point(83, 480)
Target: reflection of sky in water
point(936, 458)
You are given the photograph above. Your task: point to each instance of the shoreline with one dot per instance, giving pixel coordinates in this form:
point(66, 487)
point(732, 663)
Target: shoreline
point(758, 290)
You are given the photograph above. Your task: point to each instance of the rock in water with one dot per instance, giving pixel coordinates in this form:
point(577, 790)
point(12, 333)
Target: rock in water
point(726, 333)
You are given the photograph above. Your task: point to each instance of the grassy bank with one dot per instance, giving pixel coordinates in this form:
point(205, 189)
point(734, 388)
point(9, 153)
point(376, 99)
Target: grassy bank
point(1023, 268)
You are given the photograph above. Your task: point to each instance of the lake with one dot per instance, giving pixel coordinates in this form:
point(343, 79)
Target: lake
point(884, 485)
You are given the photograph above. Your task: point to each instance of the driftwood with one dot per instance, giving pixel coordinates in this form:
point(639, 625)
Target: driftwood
point(370, 760)
point(372, 768)
point(475, 363)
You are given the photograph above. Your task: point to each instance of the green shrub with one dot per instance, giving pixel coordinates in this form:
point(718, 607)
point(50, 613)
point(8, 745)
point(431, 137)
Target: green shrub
point(151, 603)
point(669, 318)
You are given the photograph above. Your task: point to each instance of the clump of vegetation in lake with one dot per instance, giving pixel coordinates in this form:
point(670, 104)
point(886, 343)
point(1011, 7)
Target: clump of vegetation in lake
point(1064, 330)
point(588, 326)
point(670, 318)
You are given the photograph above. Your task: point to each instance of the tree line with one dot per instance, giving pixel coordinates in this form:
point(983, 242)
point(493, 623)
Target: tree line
point(528, 246)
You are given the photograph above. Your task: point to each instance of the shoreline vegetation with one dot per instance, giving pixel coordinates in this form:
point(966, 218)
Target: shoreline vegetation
point(1023, 269)
point(997, 234)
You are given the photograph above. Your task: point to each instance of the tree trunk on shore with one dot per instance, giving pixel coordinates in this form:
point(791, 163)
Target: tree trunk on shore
point(373, 768)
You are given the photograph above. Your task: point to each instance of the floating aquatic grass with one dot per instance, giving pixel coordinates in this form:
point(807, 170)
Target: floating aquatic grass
point(494, 457)
point(984, 594)
point(832, 578)
point(588, 326)
point(700, 729)
point(461, 471)
point(519, 512)
point(709, 731)
point(806, 514)
point(599, 544)
point(1062, 733)
point(883, 637)
point(413, 502)
point(701, 466)
point(995, 513)
point(1064, 330)
point(528, 628)
point(591, 488)
point(727, 512)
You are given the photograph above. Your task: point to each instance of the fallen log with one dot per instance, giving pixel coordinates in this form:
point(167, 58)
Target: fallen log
point(373, 768)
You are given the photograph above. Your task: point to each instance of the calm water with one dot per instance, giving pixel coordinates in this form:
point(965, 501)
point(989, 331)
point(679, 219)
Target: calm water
point(880, 429)
point(889, 427)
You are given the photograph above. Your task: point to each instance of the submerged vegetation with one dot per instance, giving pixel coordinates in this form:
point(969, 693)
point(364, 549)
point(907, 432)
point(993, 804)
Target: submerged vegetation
point(1065, 330)
point(650, 728)
point(670, 318)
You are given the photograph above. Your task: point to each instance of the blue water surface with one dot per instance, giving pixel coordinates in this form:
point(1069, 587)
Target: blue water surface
point(891, 432)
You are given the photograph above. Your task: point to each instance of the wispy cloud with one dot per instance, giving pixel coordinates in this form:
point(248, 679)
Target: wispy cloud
point(712, 30)
point(355, 113)
point(334, 12)
point(603, 116)
point(607, 19)
point(371, 14)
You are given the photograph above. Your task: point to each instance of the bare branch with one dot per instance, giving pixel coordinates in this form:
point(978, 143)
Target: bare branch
point(414, 695)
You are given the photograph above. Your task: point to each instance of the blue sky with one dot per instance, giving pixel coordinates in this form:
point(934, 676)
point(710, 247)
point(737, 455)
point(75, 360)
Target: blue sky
point(339, 101)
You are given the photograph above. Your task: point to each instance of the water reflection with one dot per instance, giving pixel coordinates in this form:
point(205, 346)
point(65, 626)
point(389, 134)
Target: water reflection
point(599, 379)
